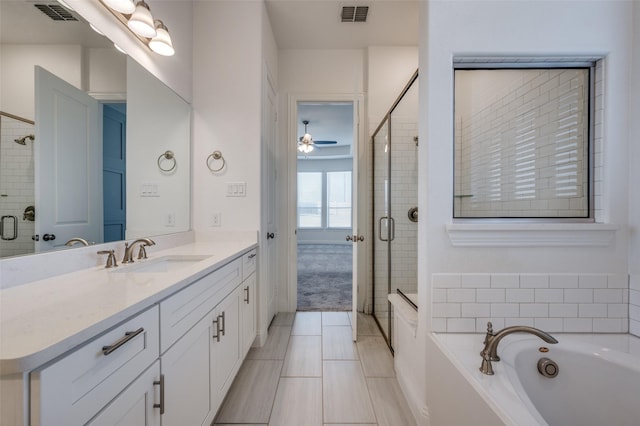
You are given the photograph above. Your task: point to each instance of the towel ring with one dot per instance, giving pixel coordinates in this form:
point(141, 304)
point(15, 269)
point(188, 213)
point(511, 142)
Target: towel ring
point(168, 155)
point(216, 155)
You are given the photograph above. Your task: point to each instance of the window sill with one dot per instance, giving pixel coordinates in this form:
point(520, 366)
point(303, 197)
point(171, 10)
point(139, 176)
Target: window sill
point(531, 234)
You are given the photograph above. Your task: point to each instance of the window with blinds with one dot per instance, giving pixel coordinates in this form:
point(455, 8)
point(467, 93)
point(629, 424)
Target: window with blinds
point(522, 142)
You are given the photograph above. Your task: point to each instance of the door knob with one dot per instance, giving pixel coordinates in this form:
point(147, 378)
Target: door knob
point(270, 235)
point(48, 237)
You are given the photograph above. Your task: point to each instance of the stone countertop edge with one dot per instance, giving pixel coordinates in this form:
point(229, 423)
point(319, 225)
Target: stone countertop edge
point(43, 320)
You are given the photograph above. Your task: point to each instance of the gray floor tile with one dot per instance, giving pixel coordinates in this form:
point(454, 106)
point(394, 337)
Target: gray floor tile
point(345, 394)
point(276, 345)
point(298, 402)
point(390, 405)
point(337, 343)
point(367, 326)
point(283, 318)
point(335, 318)
point(307, 324)
point(304, 357)
point(252, 393)
point(376, 357)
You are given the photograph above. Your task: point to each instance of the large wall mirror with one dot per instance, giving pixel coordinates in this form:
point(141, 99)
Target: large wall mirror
point(93, 146)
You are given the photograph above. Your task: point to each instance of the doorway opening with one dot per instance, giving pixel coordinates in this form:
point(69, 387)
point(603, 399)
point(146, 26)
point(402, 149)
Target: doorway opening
point(324, 210)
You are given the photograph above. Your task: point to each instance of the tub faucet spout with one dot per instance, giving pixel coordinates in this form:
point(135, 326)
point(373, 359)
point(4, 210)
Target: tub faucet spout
point(491, 341)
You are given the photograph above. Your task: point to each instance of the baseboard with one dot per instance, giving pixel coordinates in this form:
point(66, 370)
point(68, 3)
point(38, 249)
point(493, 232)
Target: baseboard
point(418, 408)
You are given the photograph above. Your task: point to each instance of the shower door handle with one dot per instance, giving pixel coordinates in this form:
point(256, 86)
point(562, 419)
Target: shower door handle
point(391, 235)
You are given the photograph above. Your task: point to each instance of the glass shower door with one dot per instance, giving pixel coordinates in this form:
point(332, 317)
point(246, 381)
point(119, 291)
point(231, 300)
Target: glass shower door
point(382, 227)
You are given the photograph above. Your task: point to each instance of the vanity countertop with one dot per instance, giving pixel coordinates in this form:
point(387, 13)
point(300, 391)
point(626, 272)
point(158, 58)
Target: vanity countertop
point(44, 319)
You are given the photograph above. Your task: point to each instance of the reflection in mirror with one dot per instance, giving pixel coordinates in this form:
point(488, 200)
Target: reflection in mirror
point(131, 201)
point(522, 142)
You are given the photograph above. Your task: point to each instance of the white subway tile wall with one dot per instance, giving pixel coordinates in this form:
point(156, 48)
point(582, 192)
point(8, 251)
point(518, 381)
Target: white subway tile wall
point(634, 304)
point(16, 185)
point(572, 303)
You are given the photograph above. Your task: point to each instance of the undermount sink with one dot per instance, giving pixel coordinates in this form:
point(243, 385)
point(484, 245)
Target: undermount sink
point(163, 264)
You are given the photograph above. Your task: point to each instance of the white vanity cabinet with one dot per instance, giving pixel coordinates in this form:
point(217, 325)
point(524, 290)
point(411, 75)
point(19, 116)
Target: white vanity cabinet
point(170, 364)
point(75, 388)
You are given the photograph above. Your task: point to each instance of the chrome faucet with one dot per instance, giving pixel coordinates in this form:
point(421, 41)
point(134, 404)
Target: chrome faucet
point(491, 341)
point(128, 249)
point(77, 240)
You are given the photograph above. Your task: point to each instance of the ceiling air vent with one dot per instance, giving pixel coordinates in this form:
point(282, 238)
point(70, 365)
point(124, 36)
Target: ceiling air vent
point(55, 12)
point(354, 13)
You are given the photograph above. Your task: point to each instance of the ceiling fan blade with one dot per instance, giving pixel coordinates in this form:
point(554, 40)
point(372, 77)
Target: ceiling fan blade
point(325, 142)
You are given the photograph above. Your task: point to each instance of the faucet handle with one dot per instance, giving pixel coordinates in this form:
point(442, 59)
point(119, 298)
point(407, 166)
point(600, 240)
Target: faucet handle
point(142, 253)
point(489, 335)
point(111, 258)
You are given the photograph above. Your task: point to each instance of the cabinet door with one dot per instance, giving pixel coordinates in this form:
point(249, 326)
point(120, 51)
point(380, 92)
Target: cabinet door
point(135, 405)
point(248, 316)
point(226, 350)
point(186, 369)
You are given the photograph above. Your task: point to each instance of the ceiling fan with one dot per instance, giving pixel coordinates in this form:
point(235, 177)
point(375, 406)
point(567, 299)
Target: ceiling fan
point(306, 144)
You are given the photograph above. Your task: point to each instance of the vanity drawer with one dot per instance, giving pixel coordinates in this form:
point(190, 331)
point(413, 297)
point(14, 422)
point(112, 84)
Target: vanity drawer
point(75, 388)
point(184, 309)
point(249, 261)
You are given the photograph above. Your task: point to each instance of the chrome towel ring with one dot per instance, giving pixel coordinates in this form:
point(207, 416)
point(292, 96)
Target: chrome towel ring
point(216, 155)
point(168, 155)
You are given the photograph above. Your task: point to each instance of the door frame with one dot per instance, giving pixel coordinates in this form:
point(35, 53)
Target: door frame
point(359, 157)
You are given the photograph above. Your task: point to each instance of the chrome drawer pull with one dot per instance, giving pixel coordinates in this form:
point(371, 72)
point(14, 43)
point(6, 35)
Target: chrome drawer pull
point(161, 383)
point(251, 256)
point(127, 336)
point(246, 289)
point(223, 324)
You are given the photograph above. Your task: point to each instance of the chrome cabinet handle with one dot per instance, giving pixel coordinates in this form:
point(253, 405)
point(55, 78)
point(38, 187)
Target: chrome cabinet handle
point(217, 323)
point(246, 291)
point(106, 350)
point(355, 238)
point(270, 235)
point(161, 383)
point(223, 324)
point(49, 237)
point(251, 256)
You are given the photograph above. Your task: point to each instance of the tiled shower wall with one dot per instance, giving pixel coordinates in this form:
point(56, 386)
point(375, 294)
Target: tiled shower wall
point(16, 184)
point(634, 304)
point(576, 303)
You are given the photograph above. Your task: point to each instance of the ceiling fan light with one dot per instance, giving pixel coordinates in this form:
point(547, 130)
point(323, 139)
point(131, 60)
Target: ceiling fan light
point(161, 43)
point(141, 22)
point(122, 6)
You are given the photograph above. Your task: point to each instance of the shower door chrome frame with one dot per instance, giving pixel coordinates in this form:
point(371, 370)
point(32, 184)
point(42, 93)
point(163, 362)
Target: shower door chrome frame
point(389, 216)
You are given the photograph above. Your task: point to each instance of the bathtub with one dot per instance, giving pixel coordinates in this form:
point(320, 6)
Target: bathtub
point(598, 381)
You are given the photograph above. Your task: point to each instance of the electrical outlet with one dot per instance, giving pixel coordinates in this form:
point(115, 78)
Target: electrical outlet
point(171, 219)
point(215, 219)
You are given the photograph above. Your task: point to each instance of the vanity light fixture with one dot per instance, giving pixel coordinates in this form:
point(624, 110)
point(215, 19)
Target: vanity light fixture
point(161, 43)
point(122, 6)
point(136, 15)
point(141, 21)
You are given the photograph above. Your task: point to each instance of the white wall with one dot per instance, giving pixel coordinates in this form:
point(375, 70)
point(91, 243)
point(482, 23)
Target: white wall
point(227, 111)
point(524, 28)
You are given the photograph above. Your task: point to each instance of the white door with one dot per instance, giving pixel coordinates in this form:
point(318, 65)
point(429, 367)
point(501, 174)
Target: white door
point(268, 248)
point(68, 163)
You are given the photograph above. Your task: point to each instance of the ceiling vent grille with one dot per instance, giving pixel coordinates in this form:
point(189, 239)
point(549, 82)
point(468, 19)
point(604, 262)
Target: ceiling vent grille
point(55, 12)
point(354, 13)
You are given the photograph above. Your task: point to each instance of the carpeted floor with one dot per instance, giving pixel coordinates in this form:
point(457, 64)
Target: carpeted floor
point(324, 277)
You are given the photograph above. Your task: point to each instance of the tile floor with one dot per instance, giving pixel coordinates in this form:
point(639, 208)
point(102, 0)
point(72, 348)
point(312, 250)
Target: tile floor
point(310, 372)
